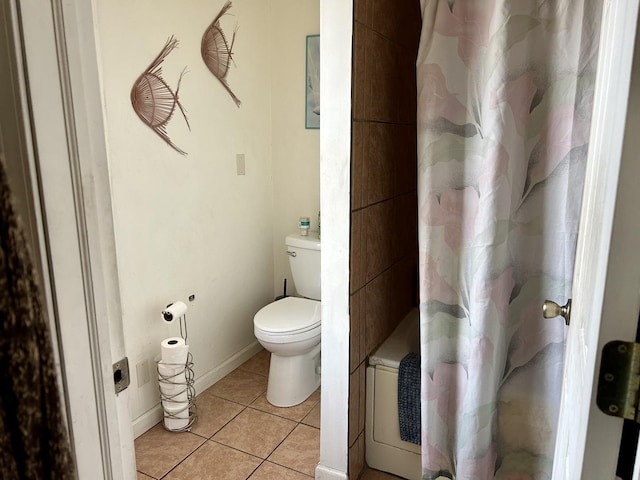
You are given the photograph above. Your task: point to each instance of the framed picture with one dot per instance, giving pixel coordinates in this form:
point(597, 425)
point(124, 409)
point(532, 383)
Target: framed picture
point(312, 96)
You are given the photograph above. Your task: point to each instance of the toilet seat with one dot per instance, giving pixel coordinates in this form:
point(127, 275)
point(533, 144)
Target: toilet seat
point(289, 317)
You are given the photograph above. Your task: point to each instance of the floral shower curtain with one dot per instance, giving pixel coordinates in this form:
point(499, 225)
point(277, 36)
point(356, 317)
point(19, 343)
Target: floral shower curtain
point(504, 105)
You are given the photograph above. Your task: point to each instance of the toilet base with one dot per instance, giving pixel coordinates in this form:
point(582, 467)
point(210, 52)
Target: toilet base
point(293, 379)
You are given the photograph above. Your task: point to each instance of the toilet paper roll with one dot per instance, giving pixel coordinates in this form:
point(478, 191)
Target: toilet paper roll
point(173, 311)
point(175, 424)
point(171, 374)
point(173, 394)
point(174, 350)
point(176, 416)
point(173, 383)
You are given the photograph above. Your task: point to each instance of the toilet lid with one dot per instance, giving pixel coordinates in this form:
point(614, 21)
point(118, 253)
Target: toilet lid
point(289, 315)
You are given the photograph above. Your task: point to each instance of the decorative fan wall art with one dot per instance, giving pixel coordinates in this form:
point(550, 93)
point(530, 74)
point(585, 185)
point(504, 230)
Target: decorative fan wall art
point(216, 51)
point(153, 99)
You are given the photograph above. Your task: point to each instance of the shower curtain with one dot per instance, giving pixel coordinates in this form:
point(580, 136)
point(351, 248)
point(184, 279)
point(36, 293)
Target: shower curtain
point(504, 104)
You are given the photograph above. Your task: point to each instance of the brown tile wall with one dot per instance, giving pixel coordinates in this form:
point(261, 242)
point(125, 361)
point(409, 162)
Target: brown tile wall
point(384, 251)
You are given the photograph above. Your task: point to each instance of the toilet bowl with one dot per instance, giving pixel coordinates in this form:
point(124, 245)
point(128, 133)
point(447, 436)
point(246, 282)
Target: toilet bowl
point(290, 330)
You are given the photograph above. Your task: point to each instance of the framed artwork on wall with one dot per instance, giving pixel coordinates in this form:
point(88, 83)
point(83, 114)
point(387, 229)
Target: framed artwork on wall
point(312, 77)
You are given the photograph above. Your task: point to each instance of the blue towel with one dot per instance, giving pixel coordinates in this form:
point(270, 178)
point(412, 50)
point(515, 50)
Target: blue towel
point(409, 398)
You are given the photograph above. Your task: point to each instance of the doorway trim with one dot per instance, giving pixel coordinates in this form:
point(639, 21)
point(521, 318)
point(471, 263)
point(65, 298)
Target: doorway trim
point(64, 100)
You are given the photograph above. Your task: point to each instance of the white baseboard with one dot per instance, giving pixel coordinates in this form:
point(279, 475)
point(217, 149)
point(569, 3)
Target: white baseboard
point(326, 473)
point(147, 420)
point(153, 416)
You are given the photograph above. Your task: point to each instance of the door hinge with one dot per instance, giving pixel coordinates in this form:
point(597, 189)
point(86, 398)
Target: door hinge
point(121, 374)
point(619, 380)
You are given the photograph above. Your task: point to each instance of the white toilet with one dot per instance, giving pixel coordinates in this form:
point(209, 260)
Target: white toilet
point(290, 328)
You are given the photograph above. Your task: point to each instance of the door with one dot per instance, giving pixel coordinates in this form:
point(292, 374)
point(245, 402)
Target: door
point(55, 89)
point(606, 288)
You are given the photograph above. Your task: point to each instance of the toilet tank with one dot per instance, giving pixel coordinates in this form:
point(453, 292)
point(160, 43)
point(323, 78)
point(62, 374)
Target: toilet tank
point(304, 258)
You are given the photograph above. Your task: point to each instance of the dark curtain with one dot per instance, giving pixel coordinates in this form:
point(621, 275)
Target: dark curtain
point(34, 442)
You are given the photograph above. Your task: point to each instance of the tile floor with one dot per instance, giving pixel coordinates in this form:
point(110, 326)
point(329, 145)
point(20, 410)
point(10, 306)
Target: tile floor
point(239, 435)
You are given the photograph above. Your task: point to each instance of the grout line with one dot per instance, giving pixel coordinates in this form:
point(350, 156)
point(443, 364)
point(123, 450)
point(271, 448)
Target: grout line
point(236, 449)
point(283, 440)
point(146, 474)
point(282, 416)
point(250, 405)
point(225, 424)
point(182, 461)
point(289, 468)
point(255, 469)
point(252, 371)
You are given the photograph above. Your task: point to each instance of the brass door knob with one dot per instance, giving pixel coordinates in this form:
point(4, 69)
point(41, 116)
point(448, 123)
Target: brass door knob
point(552, 309)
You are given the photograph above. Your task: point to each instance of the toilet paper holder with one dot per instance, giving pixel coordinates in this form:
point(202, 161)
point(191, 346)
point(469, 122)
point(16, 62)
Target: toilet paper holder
point(177, 310)
point(176, 380)
point(174, 310)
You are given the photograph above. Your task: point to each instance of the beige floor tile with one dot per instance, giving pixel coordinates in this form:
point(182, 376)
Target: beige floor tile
point(240, 386)
point(300, 451)
point(142, 476)
point(295, 413)
point(371, 474)
point(213, 461)
point(271, 471)
point(255, 432)
point(158, 451)
point(313, 417)
point(259, 363)
point(213, 413)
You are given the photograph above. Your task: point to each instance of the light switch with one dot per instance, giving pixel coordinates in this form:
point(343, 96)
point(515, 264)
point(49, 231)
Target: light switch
point(240, 164)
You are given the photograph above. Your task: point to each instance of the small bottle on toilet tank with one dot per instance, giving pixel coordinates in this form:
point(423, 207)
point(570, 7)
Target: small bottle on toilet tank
point(304, 223)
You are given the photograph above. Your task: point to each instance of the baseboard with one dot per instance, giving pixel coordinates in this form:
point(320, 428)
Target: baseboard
point(151, 417)
point(147, 420)
point(326, 473)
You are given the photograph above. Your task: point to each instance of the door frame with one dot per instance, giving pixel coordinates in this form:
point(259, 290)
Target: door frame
point(59, 59)
point(606, 283)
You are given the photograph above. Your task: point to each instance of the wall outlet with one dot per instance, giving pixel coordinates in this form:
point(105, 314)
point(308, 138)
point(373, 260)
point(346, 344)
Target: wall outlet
point(240, 164)
point(142, 372)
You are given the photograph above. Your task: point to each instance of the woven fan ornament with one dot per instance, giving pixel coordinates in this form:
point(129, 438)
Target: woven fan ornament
point(216, 51)
point(153, 99)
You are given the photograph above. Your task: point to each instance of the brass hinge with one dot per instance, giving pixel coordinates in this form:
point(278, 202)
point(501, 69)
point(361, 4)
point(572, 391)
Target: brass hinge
point(619, 380)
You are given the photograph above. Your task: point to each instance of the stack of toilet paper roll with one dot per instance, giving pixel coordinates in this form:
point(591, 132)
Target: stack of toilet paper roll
point(176, 383)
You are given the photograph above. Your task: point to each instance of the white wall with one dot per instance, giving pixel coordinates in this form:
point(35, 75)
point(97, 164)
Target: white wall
point(296, 151)
point(190, 225)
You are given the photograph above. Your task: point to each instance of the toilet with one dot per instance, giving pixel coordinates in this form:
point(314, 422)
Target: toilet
point(290, 328)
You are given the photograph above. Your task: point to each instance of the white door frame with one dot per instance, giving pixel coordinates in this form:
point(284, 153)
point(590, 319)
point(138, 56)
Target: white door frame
point(336, 30)
point(70, 158)
point(606, 284)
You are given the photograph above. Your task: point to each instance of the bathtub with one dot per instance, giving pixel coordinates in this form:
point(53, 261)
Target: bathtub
point(384, 449)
